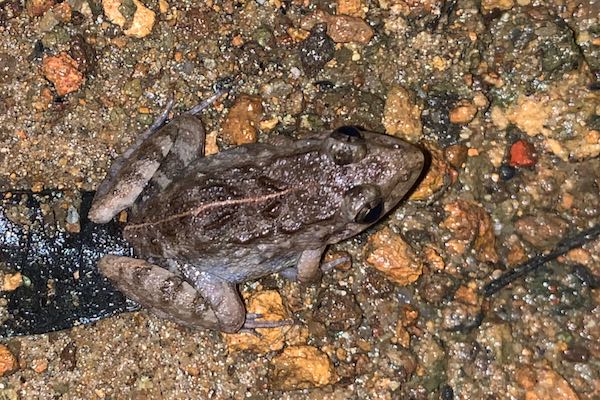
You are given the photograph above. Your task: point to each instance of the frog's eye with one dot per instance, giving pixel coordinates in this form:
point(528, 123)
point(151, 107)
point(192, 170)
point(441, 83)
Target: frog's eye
point(363, 204)
point(345, 145)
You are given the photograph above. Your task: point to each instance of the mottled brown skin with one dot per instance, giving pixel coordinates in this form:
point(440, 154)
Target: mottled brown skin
point(205, 225)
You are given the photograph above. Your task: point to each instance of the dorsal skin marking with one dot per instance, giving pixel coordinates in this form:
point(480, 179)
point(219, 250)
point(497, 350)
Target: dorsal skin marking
point(209, 206)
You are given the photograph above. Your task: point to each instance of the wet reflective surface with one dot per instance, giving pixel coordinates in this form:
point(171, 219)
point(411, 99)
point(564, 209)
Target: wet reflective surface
point(61, 286)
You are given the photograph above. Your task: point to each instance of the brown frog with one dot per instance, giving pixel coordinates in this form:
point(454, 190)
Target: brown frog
point(202, 225)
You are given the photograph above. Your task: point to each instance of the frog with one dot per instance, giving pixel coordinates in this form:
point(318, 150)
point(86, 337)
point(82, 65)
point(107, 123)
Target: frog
point(202, 225)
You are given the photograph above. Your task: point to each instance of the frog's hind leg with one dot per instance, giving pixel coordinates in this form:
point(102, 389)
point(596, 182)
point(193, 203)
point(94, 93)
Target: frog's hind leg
point(159, 290)
point(208, 302)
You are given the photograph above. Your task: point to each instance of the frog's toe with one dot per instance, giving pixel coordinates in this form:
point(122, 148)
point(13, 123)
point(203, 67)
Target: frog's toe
point(252, 322)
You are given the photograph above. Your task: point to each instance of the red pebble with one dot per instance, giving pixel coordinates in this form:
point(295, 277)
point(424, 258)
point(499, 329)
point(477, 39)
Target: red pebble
point(522, 154)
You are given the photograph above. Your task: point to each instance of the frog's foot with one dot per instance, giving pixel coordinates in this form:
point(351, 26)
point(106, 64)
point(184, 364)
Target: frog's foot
point(160, 291)
point(329, 265)
point(252, 322)
point(207, 102)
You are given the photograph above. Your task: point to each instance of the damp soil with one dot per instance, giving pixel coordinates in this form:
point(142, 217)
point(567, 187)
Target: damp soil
point(502, 95)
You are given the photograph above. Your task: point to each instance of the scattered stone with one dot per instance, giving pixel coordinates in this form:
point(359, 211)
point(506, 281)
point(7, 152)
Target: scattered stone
point(242, 121)
point(10, 9)
point(402, 115)
point(456, 155)
point(389, 253)
point(68, 356)
point(464, 312)
point(544, 384)
point(35, 8)
point(354, 8)
point(471, 227)
point(83, 54)
point(436, 287)
point(522, 154)
point(341, 28)
point(337, 310)
point(408, 318)
point(542, 230)
point(142, 21)
point(63, 72)
point(8, 362)
point(437, 177)
point(316, 50)
point(59, 13)
point(507, 172)
point(39, 365)
point(435, 118)
point(11, 282)
point(270, 305)
point(302, 367)
point(488, 6)
point(463, 113)
point(576, 353)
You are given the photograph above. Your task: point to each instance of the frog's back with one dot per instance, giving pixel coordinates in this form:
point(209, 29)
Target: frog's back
point(243, 198)
point(262, 204)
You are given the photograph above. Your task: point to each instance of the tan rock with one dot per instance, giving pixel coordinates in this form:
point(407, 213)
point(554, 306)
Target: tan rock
point(35, 8)
point(472, 228)
point(302, 367)
point(560, 114)
point(62, 71)
point(437, 177)
point(489, 5)
point(241, 123)
point(544, 384)
point(402, 115)
point(142, 22)
point(39, 365)
point(530, 115)
point(387, 252)
point(112, 12)
point(8, 362)
point(270, 305)
point(463, 113)
point(341, 28)
point(354, 8)
point(12, 282)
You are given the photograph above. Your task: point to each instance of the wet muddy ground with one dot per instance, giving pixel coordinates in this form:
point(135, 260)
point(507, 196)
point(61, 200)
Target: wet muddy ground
point(504, 96)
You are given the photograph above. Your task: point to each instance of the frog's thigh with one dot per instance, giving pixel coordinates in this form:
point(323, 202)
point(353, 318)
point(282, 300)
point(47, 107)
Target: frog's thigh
point(307, 269)
point(160, 291)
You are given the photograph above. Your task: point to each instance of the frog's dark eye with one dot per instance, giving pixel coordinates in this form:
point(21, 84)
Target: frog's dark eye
point(346, 133)
point(363, 204)
point(345, 145)
point(370, 212)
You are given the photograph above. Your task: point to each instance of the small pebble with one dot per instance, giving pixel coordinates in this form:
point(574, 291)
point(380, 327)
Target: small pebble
point(522, 154)
point(8, 362)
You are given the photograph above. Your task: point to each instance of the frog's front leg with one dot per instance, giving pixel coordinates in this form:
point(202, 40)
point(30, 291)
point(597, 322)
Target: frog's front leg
point(307, 268)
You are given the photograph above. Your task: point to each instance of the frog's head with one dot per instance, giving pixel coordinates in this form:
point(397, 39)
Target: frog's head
point(377, 170)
